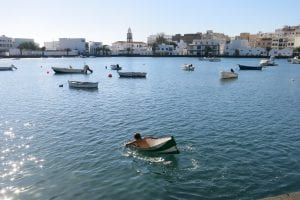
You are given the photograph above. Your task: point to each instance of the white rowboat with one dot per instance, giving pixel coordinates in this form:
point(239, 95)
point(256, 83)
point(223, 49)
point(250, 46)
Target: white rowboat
point(79, 84)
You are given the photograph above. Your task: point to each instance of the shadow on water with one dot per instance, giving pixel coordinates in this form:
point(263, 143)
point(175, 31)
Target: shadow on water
point(84, 89)
point(72, 74)
point(228, 80)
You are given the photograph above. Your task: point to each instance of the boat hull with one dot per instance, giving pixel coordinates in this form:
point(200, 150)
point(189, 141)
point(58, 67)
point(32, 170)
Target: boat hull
point(228, 75)
point(115, 67)
point(6, 68)
point(295, 61)
point(165, 145)
point(59, 70)
point(11, 68)
point(188, 67)
point(84, 85)
point(132, 74)
point(245, 67)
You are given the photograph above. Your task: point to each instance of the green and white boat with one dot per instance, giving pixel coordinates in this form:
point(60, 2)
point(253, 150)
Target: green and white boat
point(164, 145)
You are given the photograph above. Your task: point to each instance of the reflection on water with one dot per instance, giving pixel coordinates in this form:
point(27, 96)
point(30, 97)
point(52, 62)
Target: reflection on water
point(16, 159)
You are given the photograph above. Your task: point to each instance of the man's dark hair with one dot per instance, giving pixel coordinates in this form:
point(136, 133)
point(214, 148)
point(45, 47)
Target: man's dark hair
point(137, 136)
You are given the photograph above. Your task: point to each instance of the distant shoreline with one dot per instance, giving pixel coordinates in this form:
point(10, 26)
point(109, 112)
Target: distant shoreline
point(154, 56)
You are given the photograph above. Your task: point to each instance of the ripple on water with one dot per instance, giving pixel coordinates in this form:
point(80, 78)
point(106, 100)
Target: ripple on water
point(16, 160)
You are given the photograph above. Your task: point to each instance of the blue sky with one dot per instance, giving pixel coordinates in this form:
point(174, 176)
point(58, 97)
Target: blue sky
point(108, 20)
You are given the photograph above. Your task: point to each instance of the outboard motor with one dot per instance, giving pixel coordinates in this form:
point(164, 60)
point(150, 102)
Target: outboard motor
point(87, 68)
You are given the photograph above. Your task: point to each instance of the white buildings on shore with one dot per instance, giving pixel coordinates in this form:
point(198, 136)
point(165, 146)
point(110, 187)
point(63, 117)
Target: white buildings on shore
point(283, 42)
point(241, 47)
point(67, 44)
point(9, 46)
point(5, 43)
point(165, 50)
point(95, 48)
point(130, 47)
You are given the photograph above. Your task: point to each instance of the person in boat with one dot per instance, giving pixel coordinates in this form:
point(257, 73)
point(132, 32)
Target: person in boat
point(139, 141)
point(232, 70)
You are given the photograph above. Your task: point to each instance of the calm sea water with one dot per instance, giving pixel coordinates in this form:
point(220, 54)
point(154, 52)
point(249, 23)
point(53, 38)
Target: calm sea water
point(239, 139)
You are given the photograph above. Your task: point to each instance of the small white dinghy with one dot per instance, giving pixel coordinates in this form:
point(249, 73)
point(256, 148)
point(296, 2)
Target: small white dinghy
point(84, 85)
point(188, 67)
point(228, 75)
point(164, 145)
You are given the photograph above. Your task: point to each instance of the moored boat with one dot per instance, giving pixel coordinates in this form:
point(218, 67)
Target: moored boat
point(210, 59)
point(228, 74)
point(188, 67)
point(246, 67)
point(164, 145)
point(79, 84)
point(267, 62)
point(132, 74)
point(115, 67)
point(213, 59)
point(295, 60)
point(10, 68)
point(71, 70)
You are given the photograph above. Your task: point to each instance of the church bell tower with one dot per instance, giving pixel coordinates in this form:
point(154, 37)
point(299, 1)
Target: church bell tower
point(129, 36)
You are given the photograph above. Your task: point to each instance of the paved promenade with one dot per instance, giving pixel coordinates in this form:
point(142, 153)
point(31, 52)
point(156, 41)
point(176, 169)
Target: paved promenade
point(288, 196)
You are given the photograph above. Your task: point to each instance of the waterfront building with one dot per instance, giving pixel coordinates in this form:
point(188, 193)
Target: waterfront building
point(244, 36)
point(58, 53)
point(238, 47)
point(288, 52)
point(73, 43)
point(263, 42)
point(181, 48)
point(67, 44)
point(152, 38)
point(165, 49)
point(288, 31)
point(130, 47)
point(208, 44)
point(95, 48)
point(219, 38)
point(51, 46)
point(204, 47)
point(133, 48)
point(285, 42)
point(5, 44)
point(9, 46)
point(252, 38)
point(25, 52)
point(187, 38)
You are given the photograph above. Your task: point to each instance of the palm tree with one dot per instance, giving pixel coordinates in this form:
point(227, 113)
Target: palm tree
point(297, 51)
point(98, 49)
point(236, 52)
point(207, 50)
point(154, 46)
point(27, 45)
point(67, 50)
point(105, 50)
point(43, 50)
point(268, 49)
